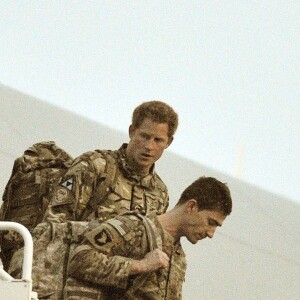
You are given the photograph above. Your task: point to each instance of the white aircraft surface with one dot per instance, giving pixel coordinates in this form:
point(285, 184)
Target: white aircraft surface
point(256, 253)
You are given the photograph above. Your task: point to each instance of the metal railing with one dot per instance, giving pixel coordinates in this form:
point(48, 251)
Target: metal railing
point(28, 250)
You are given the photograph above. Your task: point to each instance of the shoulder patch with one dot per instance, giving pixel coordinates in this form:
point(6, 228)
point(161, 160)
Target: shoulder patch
point(68, 183)
point(102, 238)
point(62, 195)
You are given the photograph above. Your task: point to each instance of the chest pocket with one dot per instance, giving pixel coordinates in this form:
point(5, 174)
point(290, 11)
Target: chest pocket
point(114, 199)
point(119, 194)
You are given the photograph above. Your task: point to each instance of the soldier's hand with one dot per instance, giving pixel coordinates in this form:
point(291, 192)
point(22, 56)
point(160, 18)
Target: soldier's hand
point(152, 261)
point(156, 259)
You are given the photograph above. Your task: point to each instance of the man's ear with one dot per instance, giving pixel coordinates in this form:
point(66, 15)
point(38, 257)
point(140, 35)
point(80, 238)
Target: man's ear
point(170, 140)
point(192, 205)
point(131, 130)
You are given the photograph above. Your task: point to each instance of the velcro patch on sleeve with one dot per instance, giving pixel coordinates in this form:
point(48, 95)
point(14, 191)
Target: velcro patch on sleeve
point(119, 226)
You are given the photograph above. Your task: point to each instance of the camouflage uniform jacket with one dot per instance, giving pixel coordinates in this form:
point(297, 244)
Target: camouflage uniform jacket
point(99, 267)
point(85, 193)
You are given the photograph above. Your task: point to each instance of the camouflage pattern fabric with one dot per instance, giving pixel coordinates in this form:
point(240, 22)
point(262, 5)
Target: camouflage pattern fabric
point(99, 268)
point(83, 196)
point(27, 193)
point(53, 243)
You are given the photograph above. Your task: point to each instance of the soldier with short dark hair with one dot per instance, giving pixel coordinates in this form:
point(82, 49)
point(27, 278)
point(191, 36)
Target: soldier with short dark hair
point(116, 261)
point(103, 183)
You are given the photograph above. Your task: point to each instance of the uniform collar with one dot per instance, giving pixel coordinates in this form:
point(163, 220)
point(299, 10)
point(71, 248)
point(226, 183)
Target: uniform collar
point(146, 181)
point(170, 245)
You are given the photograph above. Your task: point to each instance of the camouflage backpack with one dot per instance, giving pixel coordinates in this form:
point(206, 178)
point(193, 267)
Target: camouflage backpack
point(24, 201)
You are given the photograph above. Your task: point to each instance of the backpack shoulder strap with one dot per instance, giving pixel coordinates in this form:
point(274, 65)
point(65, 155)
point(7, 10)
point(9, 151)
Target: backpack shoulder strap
point(155, 241)
point(109, 174)
point(154, 238)
point(107, 179)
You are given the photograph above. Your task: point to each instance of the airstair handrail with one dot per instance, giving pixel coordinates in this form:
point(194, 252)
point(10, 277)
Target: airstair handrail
point(5, 276)
point(28, 247)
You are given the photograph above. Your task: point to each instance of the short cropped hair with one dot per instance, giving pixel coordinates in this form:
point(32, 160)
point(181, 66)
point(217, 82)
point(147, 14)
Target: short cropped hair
point(210, 194)
point(156, 111)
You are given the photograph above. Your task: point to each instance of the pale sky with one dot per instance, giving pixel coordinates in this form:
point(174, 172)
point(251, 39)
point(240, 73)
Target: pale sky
point(229, 68)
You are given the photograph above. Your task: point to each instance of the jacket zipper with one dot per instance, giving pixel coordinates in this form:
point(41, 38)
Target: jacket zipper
point(168, 277)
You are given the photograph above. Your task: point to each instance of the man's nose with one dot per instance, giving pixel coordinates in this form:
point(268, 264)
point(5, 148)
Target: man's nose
point(149, 144)
point(211, 233)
